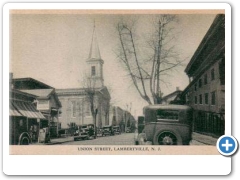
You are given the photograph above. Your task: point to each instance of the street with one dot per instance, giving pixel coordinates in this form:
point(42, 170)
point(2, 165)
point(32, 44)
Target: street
point(123, 139)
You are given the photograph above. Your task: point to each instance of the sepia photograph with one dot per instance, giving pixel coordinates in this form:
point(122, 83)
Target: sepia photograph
point(118, 89)
point(116, 80)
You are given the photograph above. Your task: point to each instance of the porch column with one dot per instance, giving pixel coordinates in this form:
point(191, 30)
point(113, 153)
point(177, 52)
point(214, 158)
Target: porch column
point(57, 121)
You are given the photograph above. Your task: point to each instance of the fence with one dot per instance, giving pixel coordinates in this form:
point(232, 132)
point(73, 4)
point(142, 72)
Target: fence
point(207, 122)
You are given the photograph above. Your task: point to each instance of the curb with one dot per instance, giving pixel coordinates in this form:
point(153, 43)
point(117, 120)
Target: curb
point(53, 143)
point(208, 140)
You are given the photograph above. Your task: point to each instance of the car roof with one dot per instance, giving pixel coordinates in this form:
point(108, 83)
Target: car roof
point(167, 107)
point(85, 124)
point(107, 126)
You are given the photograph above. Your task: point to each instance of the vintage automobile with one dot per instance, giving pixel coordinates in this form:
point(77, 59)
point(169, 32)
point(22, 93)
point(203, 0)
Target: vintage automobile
point(99, 131)
point(107, 130)
point(89, 128)
point(165, 125)
point(80, 134)
point(128, 130)
point(84, 132)
point(116, 130)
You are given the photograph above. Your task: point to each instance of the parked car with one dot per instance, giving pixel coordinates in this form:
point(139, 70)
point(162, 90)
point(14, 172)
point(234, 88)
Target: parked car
point(107, 130)
point(80, 134)
point(99, 131)
point(165, 125)
point(88, 128)
point(116, 130)
point(128, 130)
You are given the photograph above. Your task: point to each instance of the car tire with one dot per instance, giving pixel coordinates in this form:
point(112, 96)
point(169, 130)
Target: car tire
point(24, 140)
point(167, 137)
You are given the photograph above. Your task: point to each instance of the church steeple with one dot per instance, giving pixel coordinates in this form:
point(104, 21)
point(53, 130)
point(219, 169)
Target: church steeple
point(94, 49)
point(94, 61)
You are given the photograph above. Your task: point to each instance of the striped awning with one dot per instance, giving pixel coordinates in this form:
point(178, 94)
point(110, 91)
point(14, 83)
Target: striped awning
point(26, 109)
point(13, 111)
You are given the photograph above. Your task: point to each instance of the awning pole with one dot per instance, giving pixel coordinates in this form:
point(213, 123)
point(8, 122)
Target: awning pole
point(27, 124)
point(57, 121)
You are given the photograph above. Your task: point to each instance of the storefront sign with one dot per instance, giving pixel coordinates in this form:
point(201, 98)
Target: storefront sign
point(43, 105)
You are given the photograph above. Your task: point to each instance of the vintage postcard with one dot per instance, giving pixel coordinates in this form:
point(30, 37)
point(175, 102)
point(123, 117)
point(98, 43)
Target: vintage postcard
point(109, 80)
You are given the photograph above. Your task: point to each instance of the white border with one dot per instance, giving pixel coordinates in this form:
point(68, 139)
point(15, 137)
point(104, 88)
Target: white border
point(130, 165)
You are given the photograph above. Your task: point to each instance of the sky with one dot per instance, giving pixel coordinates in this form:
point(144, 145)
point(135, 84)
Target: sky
point(53, 48)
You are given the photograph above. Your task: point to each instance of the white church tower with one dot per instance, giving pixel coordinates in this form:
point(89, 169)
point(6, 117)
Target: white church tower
point(95, 63)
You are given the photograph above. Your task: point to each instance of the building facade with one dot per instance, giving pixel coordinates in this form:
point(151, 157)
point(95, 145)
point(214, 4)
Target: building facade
point(46, 100)
point(206, 72)
point(76, 108)
point(172, 98)
point(78, 103)
point(122, 118)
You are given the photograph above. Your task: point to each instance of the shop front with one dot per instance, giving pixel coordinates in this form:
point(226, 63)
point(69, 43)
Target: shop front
point(24, 122)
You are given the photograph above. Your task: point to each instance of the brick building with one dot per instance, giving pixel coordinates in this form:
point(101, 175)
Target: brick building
point(206, 72)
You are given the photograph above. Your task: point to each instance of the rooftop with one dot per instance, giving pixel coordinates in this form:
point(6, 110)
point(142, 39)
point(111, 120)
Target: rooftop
point(29, 83)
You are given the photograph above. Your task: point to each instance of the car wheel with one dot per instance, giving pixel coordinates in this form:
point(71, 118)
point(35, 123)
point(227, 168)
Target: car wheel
point(24, 141)
point(167, 138)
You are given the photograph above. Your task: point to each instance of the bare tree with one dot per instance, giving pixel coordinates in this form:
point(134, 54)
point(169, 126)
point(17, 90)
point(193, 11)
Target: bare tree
point(91, 96)
point(148, 69)
point(106, 109)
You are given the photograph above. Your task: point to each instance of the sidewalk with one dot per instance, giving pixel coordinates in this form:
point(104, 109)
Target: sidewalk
point(57, 141)
point(205, 139)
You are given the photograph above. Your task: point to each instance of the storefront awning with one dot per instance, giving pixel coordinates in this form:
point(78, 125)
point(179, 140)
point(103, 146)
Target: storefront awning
point(13, 111)
point(27, 109)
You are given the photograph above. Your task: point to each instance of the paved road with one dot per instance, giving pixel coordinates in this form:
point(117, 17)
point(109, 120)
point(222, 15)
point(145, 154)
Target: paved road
point(122, 139)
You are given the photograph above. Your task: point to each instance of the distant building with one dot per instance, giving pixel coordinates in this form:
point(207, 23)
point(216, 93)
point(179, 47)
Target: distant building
point(172, 98)
point(76, 108)
point(122, 118)
point(206, 72)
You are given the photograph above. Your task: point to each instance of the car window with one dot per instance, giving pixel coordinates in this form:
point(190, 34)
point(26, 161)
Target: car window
point(167, 115)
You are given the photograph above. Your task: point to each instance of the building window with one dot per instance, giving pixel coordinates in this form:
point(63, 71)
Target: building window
point(93, 70)
point(195, 87)
point(212, 74)
point(200, 83)
point(222, 71)
point(195, 99)
point(200, 99)
point(73, 108)
point(205, 79)
point(206, 98)
point(87, 109)
point(72, 124)
point(213, 99)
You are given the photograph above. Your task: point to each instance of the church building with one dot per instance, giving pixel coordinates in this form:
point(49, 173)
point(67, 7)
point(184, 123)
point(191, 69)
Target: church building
point(76, 102)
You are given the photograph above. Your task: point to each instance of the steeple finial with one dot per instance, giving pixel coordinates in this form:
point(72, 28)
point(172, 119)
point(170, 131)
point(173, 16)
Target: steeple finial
point(94, 49)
